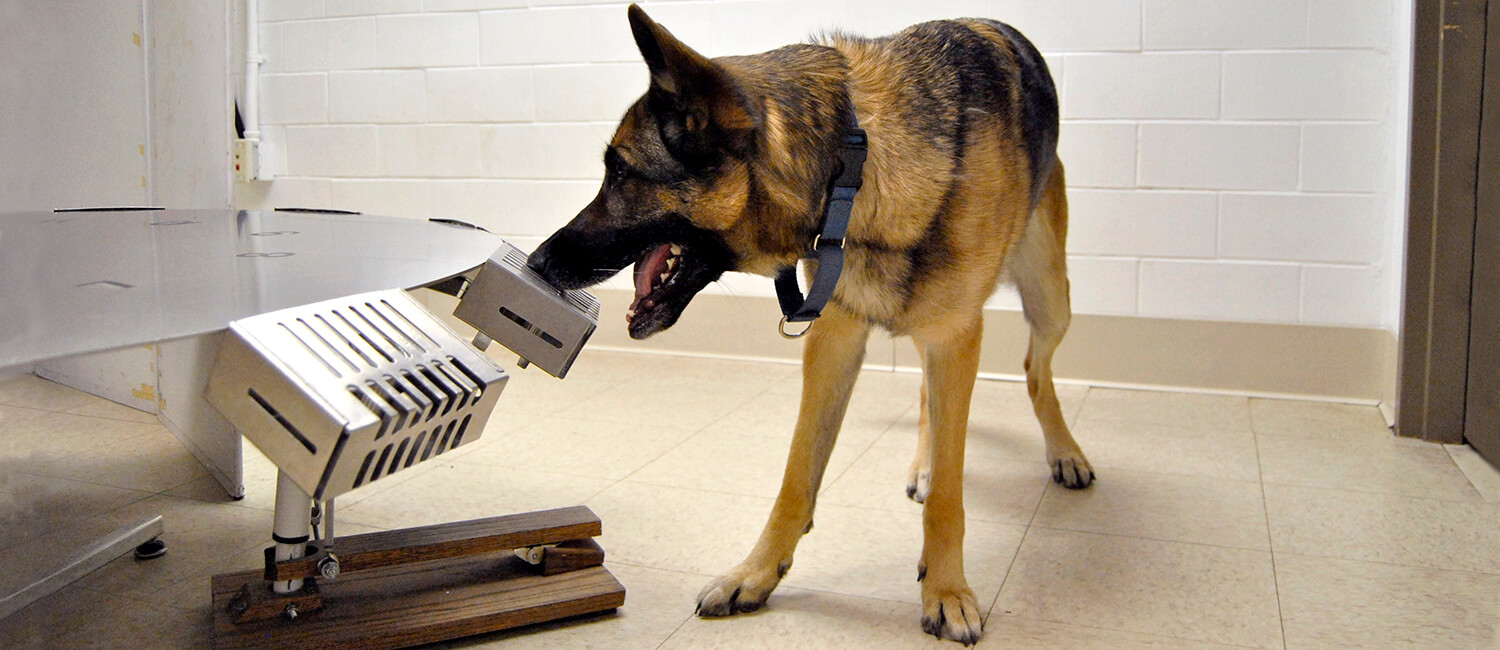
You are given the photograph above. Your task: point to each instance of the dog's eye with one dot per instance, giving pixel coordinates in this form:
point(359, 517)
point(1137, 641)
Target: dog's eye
point(615, 169)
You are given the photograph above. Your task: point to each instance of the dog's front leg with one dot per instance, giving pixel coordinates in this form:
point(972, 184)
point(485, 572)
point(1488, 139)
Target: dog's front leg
point(950, 363)
point(831, 359)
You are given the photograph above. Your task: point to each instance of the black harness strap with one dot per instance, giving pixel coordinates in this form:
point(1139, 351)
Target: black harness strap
point(828, 250)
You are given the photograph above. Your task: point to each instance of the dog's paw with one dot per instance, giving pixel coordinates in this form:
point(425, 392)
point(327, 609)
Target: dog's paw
point(919, 485)
point(1072, 471)
point(742, 590)
point(952, 615)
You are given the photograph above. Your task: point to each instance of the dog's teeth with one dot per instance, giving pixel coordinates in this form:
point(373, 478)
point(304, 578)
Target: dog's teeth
point(671, 262)
point(664, 276)
point(676, 250)
point(629, 313)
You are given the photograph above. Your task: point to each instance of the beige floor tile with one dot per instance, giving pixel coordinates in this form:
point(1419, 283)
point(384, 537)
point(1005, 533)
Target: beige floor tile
point(459, 491)
point(873, 414)
point(796, 618)
point(1162, 506)
point(641, 406)
point(873, 554)
point(40, 437)
point(768, 415)
point(259, 477)
point(1144, 447)
point(1346, 503)
point(1002, 631)
point(723, 376)
point(1189, 591)
point(1481, 474)
point(1364, 466)
point(678, 529)
point(774, 415)
point(733, 463)
point(897, 389)
point(1007, 402)
point(32, 391)
point(656, 603)
point(16, 419)
point(102, 408)
point(592, 448)
point(32, 505)
point(154, 462)
point(198, 535)
point(1184, 410)
point(996, 489)
point(683, 371)
point(1385, 528)
point(881, 401)
point(532, 394)
point(995, 438)
point(1328, 603)
point(1302, 418)
point(139, 624)
point(52, 616)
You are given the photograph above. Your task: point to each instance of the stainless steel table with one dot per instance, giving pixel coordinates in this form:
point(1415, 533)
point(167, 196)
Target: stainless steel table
point(130, 304)
point(75, 282)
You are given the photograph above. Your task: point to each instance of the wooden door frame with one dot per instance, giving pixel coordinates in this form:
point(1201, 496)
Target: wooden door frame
point(1446, 117)
point(1482, 413)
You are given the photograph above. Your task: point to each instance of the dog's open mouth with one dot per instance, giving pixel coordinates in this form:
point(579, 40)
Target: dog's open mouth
point(659, 295)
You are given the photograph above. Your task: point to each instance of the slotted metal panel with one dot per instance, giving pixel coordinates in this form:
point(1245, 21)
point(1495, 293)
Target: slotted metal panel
point(513, 305)
point(343, 393)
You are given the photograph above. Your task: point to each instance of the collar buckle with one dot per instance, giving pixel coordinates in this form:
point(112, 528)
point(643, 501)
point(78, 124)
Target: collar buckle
point(828, 245)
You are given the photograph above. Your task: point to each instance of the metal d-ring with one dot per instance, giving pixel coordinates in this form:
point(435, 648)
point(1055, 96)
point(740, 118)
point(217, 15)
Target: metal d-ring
point(782, 328)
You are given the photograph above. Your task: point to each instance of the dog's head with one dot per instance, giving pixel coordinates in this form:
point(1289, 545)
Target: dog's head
point(676, 185)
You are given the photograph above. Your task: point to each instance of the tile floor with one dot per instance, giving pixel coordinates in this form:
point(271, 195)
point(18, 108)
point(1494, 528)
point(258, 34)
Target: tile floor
point(1216, 521)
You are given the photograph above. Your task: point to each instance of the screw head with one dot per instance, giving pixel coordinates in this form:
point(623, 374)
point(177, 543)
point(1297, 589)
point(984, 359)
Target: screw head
point(329, 567)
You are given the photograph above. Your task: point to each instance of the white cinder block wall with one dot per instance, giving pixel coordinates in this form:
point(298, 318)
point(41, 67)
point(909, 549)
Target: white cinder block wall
point(1228, 159)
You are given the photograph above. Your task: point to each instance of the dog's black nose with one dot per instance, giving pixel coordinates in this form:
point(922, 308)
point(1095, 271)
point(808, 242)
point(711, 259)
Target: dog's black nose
point(537, 261)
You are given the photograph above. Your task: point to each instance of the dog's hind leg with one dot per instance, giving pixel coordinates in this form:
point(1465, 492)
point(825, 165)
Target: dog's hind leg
point(919, 478)
point(1038, 265)
point(831, 360)
point(950, 362)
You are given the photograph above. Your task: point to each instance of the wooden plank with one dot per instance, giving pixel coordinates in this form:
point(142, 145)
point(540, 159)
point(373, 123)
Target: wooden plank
point(409, 605)
point(444, 541)
point(571, 556)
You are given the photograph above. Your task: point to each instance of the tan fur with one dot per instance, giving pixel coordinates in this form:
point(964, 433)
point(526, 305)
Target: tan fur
point(975, 212)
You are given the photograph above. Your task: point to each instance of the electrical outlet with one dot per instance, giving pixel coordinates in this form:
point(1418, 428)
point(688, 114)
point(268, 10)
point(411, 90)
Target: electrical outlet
point(267, 165)
point(246, 160)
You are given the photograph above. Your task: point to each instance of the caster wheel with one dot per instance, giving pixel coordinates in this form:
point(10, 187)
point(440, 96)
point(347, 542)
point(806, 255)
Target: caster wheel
point(151, 550)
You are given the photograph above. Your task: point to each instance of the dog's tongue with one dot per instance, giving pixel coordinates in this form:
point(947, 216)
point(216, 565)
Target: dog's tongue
point(648, 269)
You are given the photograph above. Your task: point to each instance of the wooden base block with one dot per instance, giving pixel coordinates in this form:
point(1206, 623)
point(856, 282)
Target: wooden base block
point(412, 604)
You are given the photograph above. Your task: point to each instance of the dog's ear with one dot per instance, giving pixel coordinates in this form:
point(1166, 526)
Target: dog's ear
point(702, 90)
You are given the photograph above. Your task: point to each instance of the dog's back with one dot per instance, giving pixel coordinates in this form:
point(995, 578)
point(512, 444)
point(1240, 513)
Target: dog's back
point(963, 120)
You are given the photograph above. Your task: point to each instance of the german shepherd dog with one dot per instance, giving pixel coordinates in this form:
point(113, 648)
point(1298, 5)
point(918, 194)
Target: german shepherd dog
point(724, 165)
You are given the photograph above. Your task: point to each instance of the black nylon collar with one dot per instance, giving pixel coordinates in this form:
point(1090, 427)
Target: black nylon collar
point(828, 250)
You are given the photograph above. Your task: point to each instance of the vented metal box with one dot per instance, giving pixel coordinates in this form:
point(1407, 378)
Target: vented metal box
point(343, 393)
point(511, 304)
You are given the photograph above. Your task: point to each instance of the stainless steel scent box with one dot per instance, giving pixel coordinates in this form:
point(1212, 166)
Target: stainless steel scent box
point(343, 393)
point(510, 303)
